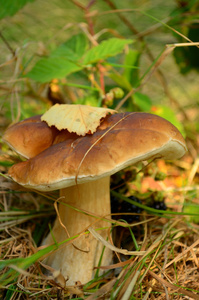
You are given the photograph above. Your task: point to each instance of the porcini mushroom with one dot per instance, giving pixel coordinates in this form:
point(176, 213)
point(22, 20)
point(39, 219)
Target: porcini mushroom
point(81, 168)
point(30, 136)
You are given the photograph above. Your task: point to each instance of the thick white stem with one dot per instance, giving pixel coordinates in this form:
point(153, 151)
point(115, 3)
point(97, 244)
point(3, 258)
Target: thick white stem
point(76, 261)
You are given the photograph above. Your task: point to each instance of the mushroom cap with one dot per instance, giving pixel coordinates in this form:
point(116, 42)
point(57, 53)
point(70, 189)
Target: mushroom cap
point(30, 136)
point(120, 141)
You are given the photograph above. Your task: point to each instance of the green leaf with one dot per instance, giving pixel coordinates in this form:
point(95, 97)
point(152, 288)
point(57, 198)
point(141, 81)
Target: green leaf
point(10, 7)
point(89, 99)
point(142, 101)
point(132, 59)
point(105, 49)
point(73, 49)
point(52, 67)
point(121, 81)
point(6, 163)
point(61, 62)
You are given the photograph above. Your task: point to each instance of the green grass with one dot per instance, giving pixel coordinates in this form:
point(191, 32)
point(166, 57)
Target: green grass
point(169, 238)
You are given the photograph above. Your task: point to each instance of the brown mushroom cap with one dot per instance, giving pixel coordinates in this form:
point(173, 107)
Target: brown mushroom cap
point(121, 140)
point(30, 136)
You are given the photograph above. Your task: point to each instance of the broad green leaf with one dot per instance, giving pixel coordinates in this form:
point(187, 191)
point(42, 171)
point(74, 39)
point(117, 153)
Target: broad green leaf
point(105, 49)
point(132, 74)
point(142, 101)
point(10, 7)
point(121, 81)
point(53, 67)
point(61, 62)
point(73, 49)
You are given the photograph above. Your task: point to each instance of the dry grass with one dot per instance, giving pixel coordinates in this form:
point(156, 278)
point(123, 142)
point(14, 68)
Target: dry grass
point(168, 269)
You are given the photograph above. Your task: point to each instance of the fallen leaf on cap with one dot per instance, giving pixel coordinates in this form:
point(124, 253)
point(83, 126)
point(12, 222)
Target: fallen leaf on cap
point(81, 119)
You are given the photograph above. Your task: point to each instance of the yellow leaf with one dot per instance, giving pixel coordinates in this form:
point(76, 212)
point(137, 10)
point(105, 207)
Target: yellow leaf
point(80, 119)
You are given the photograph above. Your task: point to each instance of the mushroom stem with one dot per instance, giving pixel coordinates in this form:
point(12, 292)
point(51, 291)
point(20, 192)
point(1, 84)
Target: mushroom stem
point(77, 260)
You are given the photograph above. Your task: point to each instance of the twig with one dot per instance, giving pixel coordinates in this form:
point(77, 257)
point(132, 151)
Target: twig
point(163, 55)
point(159, 73)
point(7, 44)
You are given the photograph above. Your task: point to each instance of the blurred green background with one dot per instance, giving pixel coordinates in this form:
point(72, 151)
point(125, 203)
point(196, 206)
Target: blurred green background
point(40, 27)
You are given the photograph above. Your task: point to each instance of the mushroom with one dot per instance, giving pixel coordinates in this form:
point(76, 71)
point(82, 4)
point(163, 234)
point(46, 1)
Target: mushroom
point(30, 136)
point(80, 167)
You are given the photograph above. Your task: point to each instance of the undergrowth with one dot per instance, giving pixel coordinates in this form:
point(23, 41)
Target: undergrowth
point(102, 57)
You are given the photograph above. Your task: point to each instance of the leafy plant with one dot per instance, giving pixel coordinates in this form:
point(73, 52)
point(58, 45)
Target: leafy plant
point(73, 56)
point(113, 54)
point(10, 7)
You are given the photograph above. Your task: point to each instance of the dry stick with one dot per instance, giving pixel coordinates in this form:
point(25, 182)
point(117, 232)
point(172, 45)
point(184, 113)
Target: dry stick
point(90, 4)
point(6, 64)
point(164, 54)
point(122, 17)
point(92, 37)
point(160, 75)
point(58, 215)
point(152, 28)
point(90, 148)
point(7, 44)
point(88, 17)
point(78, 4)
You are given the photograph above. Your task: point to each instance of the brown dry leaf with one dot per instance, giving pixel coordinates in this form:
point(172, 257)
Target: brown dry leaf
point(81, 119)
